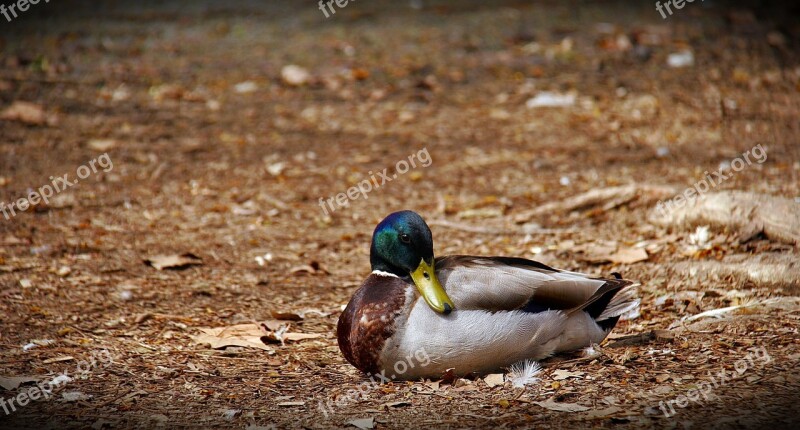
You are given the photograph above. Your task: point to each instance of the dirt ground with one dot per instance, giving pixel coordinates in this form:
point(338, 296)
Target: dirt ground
point(211, 148)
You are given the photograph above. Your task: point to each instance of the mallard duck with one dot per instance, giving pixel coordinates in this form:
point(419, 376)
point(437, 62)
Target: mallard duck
point(472, 314)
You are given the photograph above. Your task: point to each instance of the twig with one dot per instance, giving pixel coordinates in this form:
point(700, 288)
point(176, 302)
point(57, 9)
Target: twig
point(489, 230)
point(605, 198)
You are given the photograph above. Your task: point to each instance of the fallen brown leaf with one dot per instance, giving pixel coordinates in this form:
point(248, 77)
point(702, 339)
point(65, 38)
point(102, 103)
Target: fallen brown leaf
point(608, 252)
point(628, 255)
point(300, 336)
point(290, 316)
point(561, 374)
point(561, 407)
point(244, 335)
point(12, 382)
point(493, 379)
point(313, 268)
point(433, 385)
point(27, 112)
point(174, 261)
point(281, 337)
point(272, 325)
point(601, 413)
point(362, 423)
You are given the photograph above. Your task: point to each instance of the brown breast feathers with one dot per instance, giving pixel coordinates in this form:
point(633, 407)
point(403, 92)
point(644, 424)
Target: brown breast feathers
point(368, 320)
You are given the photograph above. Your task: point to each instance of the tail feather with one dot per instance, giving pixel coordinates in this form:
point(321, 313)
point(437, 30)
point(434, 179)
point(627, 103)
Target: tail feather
point(611, 301)
point(608, 324)
point(602, 298)
point(623, 302)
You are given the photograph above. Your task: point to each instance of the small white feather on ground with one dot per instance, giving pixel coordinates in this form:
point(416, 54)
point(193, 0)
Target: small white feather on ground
point(524, 373)
point(590, 351)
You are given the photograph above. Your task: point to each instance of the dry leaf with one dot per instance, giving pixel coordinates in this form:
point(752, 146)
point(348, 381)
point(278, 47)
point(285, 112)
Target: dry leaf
point(305, 312)
point(174, 261)
point(432, 385)
point(594, 252)
point(291, 316)
point(27, 112)
point(466, 388)
point(664, 334)
point(143, 317)
point(628, 255)
point(363, 423)
point(493, 379)
point(608, 252)
point(244, 335)
point(12, 382)
point(300, 336)
point(292, 403)
point(561, 407)
point(601, 413)
point(272, 325)
point(102, 145)
point(313, 268)
point(251, 335)
point(561, 374)
point(281, 336)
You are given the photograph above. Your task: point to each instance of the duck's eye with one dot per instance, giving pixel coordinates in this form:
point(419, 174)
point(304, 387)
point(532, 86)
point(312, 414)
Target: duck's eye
point(405, 238)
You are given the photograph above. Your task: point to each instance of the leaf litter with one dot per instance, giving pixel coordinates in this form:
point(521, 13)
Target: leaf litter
point(589, 173)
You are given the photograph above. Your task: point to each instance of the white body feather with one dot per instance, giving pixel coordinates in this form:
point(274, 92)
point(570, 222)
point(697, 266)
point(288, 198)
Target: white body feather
point(480, 341)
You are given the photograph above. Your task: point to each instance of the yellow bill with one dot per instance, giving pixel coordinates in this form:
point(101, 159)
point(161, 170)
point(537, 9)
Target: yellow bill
point(432, 291)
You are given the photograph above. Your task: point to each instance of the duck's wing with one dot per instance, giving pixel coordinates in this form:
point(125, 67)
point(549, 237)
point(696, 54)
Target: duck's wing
point(507, 283)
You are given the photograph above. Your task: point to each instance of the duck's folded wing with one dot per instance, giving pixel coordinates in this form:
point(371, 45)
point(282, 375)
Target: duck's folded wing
point(503, 283)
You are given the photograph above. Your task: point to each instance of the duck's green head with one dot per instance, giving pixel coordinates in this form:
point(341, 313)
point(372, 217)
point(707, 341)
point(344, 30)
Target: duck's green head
point(402, 244)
